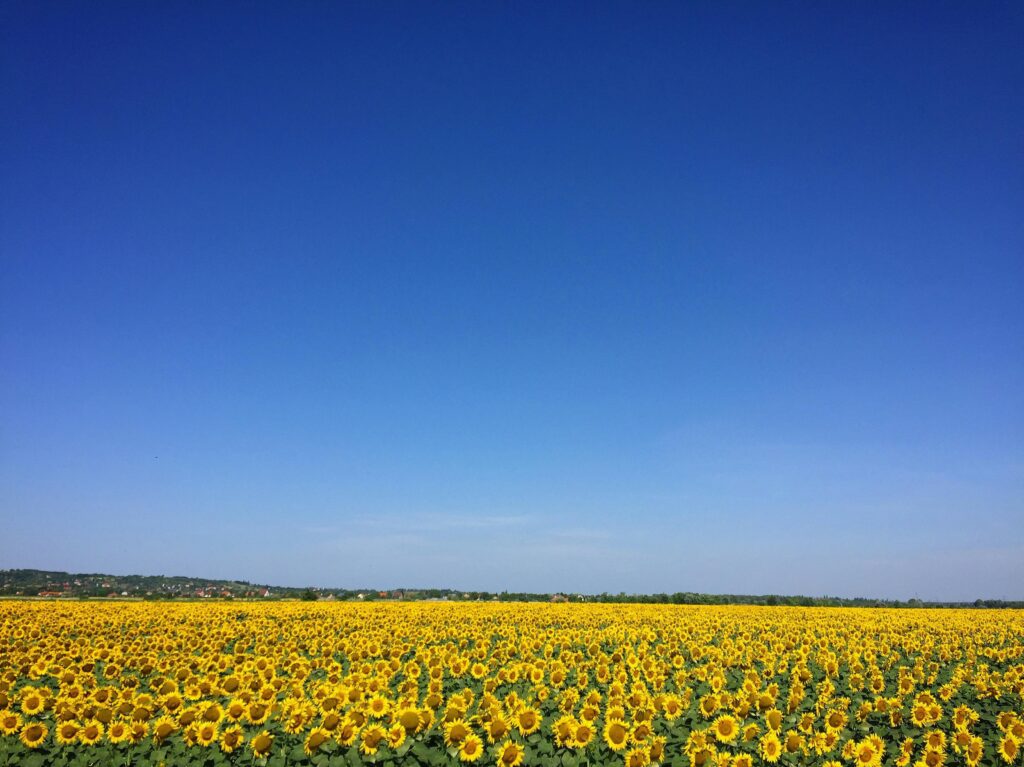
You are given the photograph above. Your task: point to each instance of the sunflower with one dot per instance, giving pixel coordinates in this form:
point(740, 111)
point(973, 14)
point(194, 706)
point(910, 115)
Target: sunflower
point(895, 717)
point(725, 728)
point(496, 729)
point(471, 748)
point(835, 720)
point(67, 732)
point(582, 734)
point(696, 741)
point(91, 733)
point(806, 724)
point(119, 732)
point(347, 733)
point(773, 718)
point(1016, 731)
point(32, 702)
point(171, 702)
point(962, 716)
point(1008, 749)
point(509, 754)
point(641, 731)
point(867, 754)
point(1004, 719)
point(371, 739)
point(235, 709)
point(137, 731)
point(330, 721)
point(935, 740)
point(378, 707)
point(672, 707)
point(975, 750)
point(33, 734)
point(231, 739)
point(746, 760)
point(187, 716)
point(794, 742)
point(257, 712)
point(638, 756)
point(455, 732)
point(527, 720)
point(10, 722)
point(562, 729)
point(770, 747)
point(261, 744)
point(961, 740)
point(919, 715)
point(211, 712)
point(316, 738)
point(163, 728)
point(294, 721)
point(849, 750)
point(706, 756)
point(656, 748)
point(409, 718)
point(616, 734)
point(189, 733)
point(357, 717)
point(709, 705)
point(207, 734)
point(396, 735)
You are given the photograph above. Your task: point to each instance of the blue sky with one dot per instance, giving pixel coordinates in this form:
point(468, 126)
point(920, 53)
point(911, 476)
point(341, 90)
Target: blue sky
point(712, 297)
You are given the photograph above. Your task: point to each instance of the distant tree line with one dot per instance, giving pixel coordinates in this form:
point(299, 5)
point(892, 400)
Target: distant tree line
point(32, 583)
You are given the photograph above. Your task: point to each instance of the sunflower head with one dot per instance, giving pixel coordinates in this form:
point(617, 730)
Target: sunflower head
point(455, 732)
point(33, 734)
point(10, 722)
point(1009, 749)
point(527, 720)
point(582, 734)
point(616, 734)
point(91, 733)
point(637, 756)
point(396, 735)
point(231, 739)
point(975, 750)
point(770, 747)
point(316, 738)
point(206, 733)
point(725, 728)
point(509, 754)
point(118, 732)
point(371, 739)
point(67, 732)
point(471, 748)
point(261, 744)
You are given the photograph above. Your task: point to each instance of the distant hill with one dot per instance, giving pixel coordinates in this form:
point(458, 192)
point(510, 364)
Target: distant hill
point(57, 584)
point(54, 583)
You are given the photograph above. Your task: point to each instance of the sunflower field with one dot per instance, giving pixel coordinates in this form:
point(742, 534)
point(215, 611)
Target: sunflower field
point(553, 685)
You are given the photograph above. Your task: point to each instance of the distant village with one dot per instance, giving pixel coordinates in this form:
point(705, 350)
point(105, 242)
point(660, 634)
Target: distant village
point(45, 584)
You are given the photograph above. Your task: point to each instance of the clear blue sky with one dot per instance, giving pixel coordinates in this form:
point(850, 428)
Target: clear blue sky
point(583, 296)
